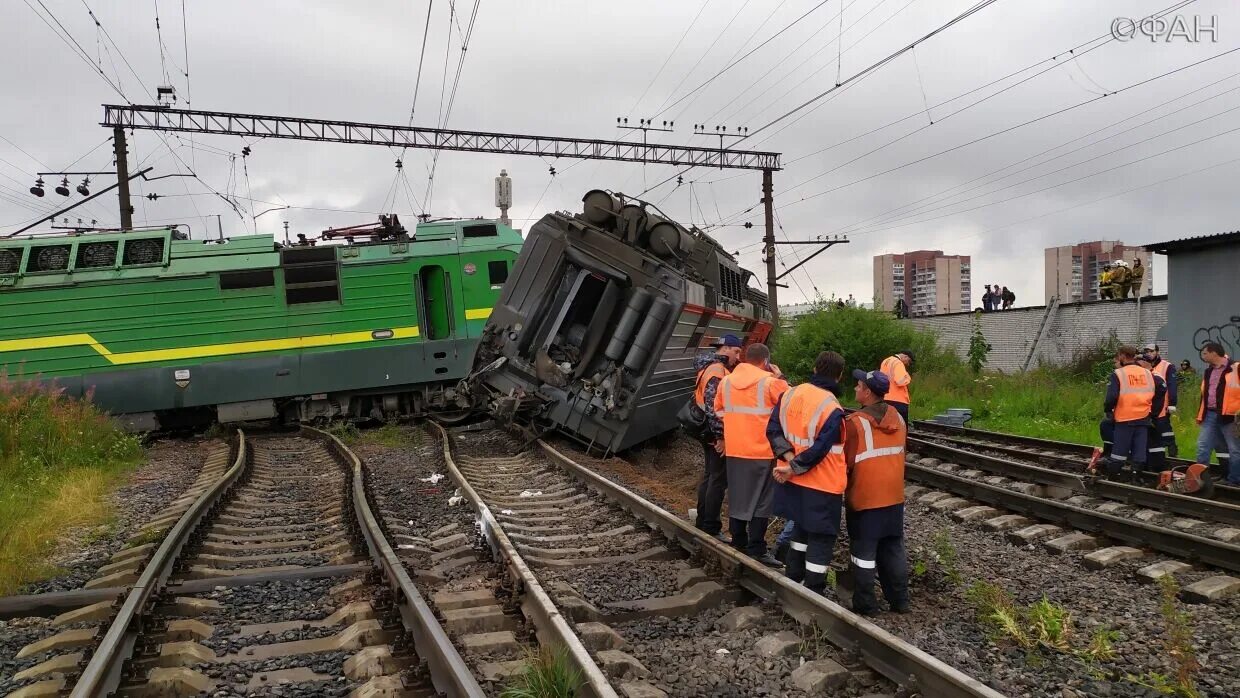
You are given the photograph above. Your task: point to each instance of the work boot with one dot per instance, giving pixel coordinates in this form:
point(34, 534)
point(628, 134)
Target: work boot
point(769, 560)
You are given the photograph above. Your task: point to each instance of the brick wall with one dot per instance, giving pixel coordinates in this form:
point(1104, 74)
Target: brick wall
point(1073, 327)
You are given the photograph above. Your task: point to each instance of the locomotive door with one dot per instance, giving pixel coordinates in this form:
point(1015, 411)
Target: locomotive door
point(437, 300)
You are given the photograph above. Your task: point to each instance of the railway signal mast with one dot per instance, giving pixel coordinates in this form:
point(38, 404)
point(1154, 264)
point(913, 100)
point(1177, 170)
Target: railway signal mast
point(159, 118)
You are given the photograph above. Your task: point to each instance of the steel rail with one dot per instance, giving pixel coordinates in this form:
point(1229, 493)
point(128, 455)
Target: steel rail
point(102, 674)
point(537, 605)
point(449, 673)
point(887, 654)
point(1136, 533)
point(1130, 494)
point(1004, 442)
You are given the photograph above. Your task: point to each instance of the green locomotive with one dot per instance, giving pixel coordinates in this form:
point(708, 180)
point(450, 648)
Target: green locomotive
point(164, 330)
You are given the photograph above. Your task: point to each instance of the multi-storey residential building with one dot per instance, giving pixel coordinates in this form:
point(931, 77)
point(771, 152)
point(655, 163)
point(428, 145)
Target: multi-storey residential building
point(930, 282)
point(1072, 271)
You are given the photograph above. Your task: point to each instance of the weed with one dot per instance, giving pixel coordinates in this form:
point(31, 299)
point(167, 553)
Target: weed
point(1040, 624)
point(1101, 646)
point(345, 431)
point(979, 348)
point(919, 568)
point(1179, 642)
point(947, 557)
point(59, 458)
point(1162, 683)
point(547, 674)
point(392, 436)
point(812, 640)
point(1051, 624)
point(148, 535)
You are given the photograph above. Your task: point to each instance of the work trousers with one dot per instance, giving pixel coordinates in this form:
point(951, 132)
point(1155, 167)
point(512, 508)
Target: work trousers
point(1166, 435)
point(1131, 443)
point(808, 555)
point(902, 408)
point(1222, 439)
point(710, 492)
point(749, 537)
point(886, 558)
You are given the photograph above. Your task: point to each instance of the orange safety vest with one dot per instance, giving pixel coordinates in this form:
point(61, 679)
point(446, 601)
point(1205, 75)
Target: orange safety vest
point(898, 375)
point(876, 463)
point(1136, 393)
point(709, 372)
point(1229, 398)
point(746, 411)
point(802, 414)
point(1161, 371)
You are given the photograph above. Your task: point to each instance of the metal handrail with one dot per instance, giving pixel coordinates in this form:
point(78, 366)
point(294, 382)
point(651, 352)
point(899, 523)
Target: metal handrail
point(102, 674)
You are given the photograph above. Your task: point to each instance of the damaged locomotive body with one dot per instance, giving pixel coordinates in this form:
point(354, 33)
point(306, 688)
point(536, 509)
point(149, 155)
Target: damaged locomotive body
point(598, 325)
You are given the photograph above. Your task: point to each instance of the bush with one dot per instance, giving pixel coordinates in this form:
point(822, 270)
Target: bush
point(58, 459)
point(864, 337)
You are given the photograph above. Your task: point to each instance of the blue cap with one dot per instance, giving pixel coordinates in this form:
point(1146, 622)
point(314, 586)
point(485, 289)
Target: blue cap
point(727, 340)
point(875, 380)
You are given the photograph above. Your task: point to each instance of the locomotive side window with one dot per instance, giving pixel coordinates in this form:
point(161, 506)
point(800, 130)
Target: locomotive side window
point(480, 231)
point(257, 278)
point(498, 272)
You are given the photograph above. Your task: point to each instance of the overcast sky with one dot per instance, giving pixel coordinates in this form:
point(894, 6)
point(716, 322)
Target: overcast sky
point(561, 67)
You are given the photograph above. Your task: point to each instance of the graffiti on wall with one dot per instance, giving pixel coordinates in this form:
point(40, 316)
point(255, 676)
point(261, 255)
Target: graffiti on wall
point(1228, 335)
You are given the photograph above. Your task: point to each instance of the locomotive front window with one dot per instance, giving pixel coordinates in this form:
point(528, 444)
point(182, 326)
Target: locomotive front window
point(497, 272)
point(480, 231)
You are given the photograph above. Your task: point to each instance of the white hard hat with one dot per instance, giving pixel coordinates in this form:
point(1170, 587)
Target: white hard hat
point(1122, 263)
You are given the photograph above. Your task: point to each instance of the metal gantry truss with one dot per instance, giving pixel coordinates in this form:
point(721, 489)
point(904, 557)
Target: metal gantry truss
point(256, 126)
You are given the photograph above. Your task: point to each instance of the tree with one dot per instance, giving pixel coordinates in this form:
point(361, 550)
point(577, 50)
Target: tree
point(864, 337)
point(979, 348)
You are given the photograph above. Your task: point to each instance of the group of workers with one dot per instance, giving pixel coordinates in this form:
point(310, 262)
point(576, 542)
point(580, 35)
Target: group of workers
point(776, 449)
point(1118, 280)
point(1141, 397)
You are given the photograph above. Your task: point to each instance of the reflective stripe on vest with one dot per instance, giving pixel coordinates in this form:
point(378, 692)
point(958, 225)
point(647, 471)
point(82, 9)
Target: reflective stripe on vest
point(760, 408)
point(1136, 393)
point(870, 451)
point(813, 421)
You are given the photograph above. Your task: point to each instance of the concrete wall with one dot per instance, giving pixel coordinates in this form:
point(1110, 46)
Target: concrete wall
point(1206, 301)
point(1074, 327)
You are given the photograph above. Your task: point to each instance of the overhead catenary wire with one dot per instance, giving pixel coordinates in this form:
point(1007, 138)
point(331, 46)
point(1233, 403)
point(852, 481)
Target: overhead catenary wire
point(446, 114)
point(676, 47)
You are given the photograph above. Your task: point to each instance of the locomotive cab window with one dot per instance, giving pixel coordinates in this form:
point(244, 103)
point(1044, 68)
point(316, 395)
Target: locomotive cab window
point(311, 275)
point(497, 272)
point(480, 231)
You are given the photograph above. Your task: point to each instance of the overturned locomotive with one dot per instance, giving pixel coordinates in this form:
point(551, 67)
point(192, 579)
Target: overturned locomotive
point(598, 325)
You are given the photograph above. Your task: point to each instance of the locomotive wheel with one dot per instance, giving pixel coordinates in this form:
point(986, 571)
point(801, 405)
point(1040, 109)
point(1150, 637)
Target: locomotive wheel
point(453, 417)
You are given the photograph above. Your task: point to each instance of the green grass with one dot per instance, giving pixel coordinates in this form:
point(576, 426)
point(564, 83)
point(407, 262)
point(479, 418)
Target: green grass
point(1043, 403)
point(547, 674)
point(59, 459)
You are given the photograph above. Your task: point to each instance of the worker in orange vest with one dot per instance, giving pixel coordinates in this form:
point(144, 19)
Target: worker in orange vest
point(1217, 413)
point(806, 434)
point(1131, 396)
point(1162, 422)
point(874, 452)
point(711, 369)
point(744, 401)
point(1156, 450)
point(897, 367)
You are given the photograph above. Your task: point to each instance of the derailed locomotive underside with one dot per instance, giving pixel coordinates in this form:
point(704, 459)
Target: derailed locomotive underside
point(601, 318)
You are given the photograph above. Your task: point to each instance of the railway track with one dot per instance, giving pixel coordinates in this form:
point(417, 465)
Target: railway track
point(277, 577)
point(1059, 455)
point(646, 605)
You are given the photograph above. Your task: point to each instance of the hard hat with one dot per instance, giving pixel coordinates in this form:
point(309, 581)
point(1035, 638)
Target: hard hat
point(1122, 263)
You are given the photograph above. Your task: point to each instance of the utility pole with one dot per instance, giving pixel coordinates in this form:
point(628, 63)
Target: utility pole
point(122, 177)
point(772, 288)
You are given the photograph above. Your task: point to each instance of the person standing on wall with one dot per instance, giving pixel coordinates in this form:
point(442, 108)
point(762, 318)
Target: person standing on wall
point(897, 370)
point(874, 440)
point(1162, 420)
point(806, 434)
point(987, 300)
point(1220, 403)
point(711, 369)
point(1008, 297)
point(1136, 279)
point(1131, 396)
point(744, 401)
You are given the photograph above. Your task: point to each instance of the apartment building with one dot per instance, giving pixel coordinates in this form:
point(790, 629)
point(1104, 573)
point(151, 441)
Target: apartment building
point(1071, 271)
point(930, 282)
